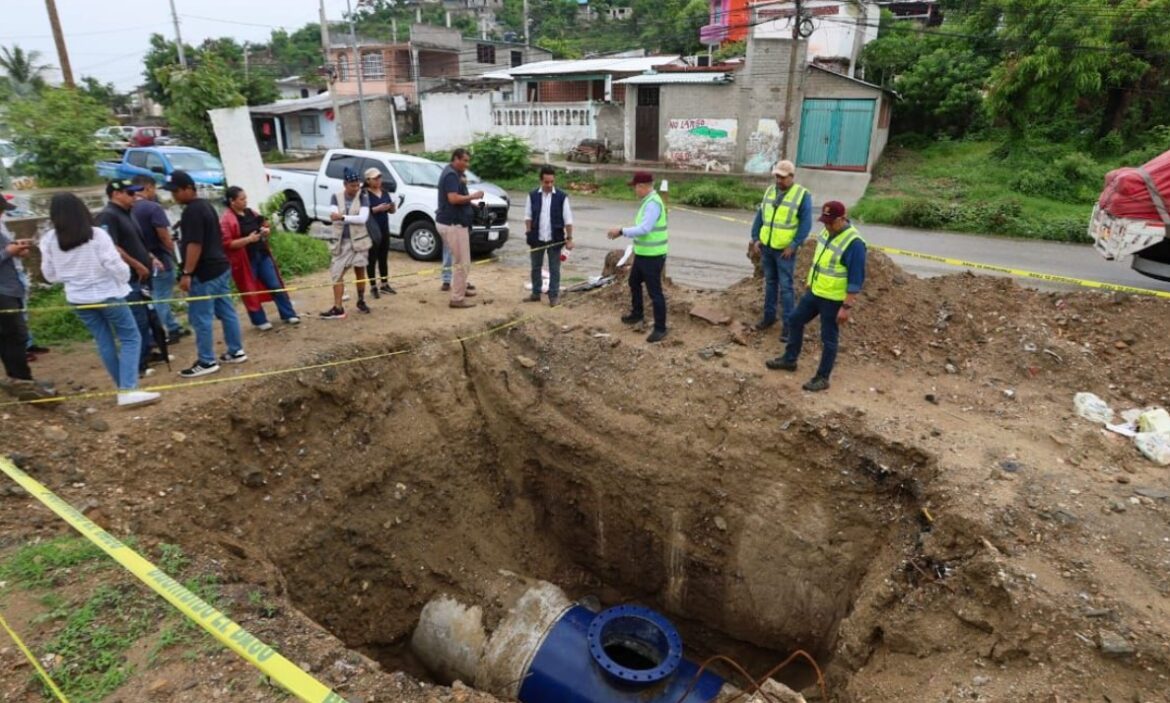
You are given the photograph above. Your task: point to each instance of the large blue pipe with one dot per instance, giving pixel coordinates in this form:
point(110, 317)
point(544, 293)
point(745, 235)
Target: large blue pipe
point(627, 653)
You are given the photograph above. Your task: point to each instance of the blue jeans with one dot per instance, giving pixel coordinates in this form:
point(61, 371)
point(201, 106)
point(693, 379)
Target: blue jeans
point(162, 285)
point(648, 270)
point(264, 269)
point(142, 319)
point(448, 264)
point(777, 278)
point(120, 356)
point(554, 270)
point(809, 307)
point(203, 313)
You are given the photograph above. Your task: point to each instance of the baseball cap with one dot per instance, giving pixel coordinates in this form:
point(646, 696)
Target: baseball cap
point(784, 168)
point(177, 180)
point(641, 177)
point(351, 176)
point(372, 172)
point(121, 184)
point(831, 211)
point(6, 203)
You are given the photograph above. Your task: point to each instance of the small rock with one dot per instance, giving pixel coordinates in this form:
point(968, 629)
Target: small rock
point(981, 680)
point(178, 436)
point(252, 479)
point(1009, 393)
point(1118, 506)
point(1155, 493)
point(1120, 345)
point(98, 425)
point(711, 314)
point(55, 433)
point(951, 369)
point(1121, 478)
point(931, 398)
point(1113, 644)
point(721, 523)
point(1009, 466)
point(526, 362)
point(707, 354)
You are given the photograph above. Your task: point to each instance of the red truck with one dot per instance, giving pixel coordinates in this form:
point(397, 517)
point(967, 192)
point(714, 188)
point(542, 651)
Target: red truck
point(1132, 217)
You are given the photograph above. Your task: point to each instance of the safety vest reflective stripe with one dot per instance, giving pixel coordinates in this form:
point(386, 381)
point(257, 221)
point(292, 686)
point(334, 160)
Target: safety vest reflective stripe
point(829, 279)
point(654, 242)
point(780, 219)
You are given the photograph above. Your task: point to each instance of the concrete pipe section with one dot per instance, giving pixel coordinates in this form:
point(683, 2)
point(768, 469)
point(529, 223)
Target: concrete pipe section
point(528, 642)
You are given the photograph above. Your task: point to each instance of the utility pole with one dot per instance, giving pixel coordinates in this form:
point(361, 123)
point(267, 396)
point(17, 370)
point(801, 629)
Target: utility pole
point(357, 56)
point(525, 22)
point(246, 49)
point(59, 39)
point(792, 59)
point(329, 71)
point(178, 36)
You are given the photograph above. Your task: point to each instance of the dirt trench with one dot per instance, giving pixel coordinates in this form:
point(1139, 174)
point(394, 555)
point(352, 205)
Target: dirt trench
point(377, 486)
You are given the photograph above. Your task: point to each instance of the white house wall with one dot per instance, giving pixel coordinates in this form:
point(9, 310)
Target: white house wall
point(452, 120)
point(842, 28)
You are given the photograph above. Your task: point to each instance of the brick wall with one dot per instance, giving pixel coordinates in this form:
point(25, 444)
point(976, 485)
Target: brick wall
point(563, 91)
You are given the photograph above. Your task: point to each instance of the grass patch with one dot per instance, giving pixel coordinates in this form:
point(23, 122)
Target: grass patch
point(298, 254)
point(987, 187)
point(40, 565)
point(51, 327)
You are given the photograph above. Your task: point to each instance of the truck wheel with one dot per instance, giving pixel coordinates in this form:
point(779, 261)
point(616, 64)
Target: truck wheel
point(422, 241)
point(293, 217)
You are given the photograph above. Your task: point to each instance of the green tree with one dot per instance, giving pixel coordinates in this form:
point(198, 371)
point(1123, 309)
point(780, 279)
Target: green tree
point(105, 94)
point(24, 72)
point(57, 128)
point(191, 93)
point(258, 87)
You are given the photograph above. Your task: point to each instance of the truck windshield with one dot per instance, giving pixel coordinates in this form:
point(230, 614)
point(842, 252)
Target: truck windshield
point(194, 161)
point(418, 173)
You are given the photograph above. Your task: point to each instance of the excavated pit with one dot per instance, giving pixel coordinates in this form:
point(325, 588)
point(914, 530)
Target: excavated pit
point(686, 488)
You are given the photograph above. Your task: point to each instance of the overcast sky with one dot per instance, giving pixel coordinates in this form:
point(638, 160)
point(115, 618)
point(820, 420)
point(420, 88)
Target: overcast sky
point(108, 39)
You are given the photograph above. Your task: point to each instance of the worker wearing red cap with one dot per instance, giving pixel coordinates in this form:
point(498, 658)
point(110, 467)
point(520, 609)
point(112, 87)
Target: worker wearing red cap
point(650, 245)
point(834, 282)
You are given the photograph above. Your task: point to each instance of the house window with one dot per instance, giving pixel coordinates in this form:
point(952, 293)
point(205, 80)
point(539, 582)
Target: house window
point(517, 58)
point(311, 125)
point(485, 53)
point(372, 66)
point(343, 67)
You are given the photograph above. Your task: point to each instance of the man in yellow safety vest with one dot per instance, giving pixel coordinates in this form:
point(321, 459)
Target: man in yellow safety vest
point(650, 244)
point(834, 282)
point(782, 223)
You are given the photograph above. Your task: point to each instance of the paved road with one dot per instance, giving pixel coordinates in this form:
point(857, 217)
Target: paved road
point(708, 250)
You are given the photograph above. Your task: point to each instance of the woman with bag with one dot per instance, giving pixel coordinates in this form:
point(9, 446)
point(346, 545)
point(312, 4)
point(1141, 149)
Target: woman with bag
point(381, 207)
point(245, 239)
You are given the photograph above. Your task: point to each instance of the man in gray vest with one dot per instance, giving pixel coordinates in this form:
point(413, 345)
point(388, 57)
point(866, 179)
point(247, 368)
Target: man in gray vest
point(548, 222)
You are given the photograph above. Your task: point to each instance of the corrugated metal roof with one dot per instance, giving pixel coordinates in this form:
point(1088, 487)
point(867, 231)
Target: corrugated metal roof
point(708, 78)
point(313, 102)
point(609, 65)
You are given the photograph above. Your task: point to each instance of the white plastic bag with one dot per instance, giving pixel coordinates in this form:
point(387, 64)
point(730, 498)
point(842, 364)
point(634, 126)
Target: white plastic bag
point(1155, 445)
point(1092, 408)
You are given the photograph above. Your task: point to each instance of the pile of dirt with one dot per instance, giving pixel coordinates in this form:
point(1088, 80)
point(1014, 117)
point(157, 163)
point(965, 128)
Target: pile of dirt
point(980, 546)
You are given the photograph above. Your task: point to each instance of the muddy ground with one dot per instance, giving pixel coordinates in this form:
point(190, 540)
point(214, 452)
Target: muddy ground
point(939, 526)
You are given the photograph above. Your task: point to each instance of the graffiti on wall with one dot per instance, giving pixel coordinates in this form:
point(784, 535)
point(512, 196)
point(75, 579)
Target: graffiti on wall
point(763, 147)
point(708, 145)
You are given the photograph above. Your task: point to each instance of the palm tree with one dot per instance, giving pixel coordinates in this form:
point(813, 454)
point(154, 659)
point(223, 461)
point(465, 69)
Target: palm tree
point(25, 74)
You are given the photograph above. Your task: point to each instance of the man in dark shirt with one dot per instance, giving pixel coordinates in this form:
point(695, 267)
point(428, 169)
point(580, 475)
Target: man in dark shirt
point(116, 220)
point(156, 234)
point(205, 272)
point(454, 220)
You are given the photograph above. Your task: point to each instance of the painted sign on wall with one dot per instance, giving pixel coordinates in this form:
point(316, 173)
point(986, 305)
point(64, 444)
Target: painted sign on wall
point(703, 144)
point(763, 147)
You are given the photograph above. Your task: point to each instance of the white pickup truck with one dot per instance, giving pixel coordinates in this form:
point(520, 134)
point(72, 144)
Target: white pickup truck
point(1132, 217)
point(413, 180)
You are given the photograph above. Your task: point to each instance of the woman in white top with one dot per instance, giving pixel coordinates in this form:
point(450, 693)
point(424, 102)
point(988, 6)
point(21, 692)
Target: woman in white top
point(84, 258)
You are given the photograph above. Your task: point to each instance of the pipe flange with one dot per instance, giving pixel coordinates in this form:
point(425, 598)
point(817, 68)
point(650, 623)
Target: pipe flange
point(634, 645)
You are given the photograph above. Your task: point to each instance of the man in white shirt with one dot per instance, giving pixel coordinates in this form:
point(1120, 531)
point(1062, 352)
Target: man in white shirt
point(548, 222)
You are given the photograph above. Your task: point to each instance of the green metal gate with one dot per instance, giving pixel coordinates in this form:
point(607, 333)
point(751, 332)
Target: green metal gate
point(835, 134)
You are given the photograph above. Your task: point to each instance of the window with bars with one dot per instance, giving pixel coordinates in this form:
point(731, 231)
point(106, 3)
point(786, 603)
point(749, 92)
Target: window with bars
point(485, 53)
point(343, 68)
point(372, 65)
point(310, 125)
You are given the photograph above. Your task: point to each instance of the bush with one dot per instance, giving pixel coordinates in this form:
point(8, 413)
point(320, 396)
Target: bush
point(500, 156)
point(1070, 178)
point(707, 195)
point(298, 254)
point(54, 326)
point(57, 129)
point(192, 93)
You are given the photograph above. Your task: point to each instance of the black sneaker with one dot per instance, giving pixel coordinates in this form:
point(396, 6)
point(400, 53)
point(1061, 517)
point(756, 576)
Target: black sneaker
point(445, 287)
point(534, 298)
point(333, 313)
point(200, 369)
point(780, 364)
point(631, 319)
point(237, 358)
point(157, 357)
point(374, 292)
point(656, 336)
point(763, 324)
point(817, 383)
point(362, 307)
point(385, 288)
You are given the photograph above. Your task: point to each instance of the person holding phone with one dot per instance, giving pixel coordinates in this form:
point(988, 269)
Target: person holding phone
point(13, 327)
point(381, 207)
point(254, 269)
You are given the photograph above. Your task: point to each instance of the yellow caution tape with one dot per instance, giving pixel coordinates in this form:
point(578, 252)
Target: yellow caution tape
point(33, 660)
point(222, 628)
point(963, 263)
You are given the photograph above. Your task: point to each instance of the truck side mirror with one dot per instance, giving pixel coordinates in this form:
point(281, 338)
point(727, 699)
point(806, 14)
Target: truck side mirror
point(158, 169)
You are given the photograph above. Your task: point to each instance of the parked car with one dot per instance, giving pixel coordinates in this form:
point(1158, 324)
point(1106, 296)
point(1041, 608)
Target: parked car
point(161, 161)
point(167, 140)
point(116, 137)
point(413, 179)
point(145, 136)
